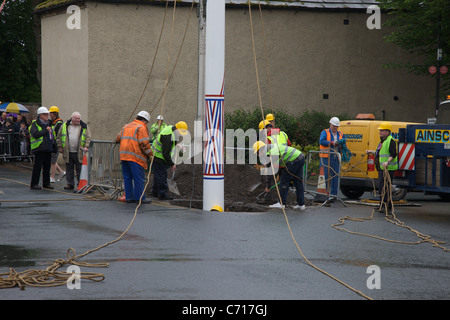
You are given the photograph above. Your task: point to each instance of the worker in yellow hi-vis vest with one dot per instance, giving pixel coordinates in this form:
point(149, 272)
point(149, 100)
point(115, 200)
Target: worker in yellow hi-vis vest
point(385, 157)
point(42, 140)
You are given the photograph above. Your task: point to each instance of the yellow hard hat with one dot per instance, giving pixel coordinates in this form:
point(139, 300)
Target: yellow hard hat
point(270, 117)
point(217, 208)
point(258, 145)
point(385, 126)
point(263, 124)
point(182, 127)
point(54, 109)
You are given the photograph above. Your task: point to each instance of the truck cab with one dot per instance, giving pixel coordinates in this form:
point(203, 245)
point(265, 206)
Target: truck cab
point(443, 116)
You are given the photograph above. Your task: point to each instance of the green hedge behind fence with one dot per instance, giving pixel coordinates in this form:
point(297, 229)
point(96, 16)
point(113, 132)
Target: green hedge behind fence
point(303, 129)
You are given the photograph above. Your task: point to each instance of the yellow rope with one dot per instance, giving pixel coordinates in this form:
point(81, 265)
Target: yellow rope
point(176, 60)
point(153, 63)
point(266, 56)
point(423, 238)
point(278, 191)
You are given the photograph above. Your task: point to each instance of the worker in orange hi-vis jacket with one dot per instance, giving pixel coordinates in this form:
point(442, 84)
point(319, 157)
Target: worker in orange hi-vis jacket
point(135, 151)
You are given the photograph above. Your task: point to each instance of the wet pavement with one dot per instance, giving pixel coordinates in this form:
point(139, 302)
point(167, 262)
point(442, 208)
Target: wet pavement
point(175, 253)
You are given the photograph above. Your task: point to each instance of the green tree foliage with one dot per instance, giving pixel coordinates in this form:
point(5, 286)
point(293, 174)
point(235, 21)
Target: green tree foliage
point(18, 62)
point(417, 26)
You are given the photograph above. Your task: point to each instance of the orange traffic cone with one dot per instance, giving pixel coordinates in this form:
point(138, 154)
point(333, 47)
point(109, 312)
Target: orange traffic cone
point(83, 175)
point(122, 198)
point(321, 191)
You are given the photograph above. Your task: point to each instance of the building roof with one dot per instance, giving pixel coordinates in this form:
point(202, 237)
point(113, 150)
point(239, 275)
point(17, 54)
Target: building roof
point(304, 4)
point(313, 4)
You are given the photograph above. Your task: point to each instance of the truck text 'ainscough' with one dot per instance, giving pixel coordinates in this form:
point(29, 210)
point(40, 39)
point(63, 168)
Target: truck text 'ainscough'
point(432, 136)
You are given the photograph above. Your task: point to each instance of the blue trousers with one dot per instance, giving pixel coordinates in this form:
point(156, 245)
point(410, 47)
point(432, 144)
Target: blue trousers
point(293, 170)
point(134, 180)
point(332, 184)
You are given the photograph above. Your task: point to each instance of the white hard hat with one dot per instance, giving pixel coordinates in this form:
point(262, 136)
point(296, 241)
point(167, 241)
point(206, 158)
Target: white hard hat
point(144, 114)
point(160, 117)
point(335, 121)
point(42, 110)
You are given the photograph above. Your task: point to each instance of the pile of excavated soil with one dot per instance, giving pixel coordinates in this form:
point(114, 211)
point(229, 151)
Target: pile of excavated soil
point(239, 179)
point(238, 197)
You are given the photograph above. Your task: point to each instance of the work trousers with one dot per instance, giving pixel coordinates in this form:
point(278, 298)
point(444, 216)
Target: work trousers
point(387, 197)
point(42, 162)
point(159, 186)
point(332, 171)
point(293, 171)
point(73, 165)
point(270, 182)
point(134, 180)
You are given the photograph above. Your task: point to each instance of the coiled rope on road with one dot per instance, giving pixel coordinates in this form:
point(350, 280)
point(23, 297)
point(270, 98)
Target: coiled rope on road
point(389, 217)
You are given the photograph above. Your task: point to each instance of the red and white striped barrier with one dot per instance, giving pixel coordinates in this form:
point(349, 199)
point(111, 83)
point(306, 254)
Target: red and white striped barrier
point(406, 156)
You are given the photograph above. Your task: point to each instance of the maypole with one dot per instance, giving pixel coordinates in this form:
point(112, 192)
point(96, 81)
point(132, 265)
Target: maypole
point(213, 153)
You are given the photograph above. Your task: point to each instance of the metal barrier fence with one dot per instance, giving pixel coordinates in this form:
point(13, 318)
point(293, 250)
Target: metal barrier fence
point(104, 169)
point(13, 146)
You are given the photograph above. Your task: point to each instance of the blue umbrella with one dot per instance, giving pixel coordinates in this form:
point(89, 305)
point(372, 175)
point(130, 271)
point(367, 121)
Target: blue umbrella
point(13, 107)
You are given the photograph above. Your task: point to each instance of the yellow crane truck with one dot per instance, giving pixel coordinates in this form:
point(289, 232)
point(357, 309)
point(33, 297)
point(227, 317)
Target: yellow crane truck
point(423, 153)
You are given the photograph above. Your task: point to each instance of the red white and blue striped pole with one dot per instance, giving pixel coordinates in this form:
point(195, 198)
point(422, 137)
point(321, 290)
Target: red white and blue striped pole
point(213, 152)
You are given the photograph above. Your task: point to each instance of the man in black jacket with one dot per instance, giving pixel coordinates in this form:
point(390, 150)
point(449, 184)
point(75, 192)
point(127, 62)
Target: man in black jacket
point(42, 140)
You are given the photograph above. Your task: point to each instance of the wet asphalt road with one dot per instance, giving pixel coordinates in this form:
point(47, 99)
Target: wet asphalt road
point(173, 253)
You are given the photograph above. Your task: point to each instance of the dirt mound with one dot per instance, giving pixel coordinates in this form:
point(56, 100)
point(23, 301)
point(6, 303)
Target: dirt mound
point(239, 178)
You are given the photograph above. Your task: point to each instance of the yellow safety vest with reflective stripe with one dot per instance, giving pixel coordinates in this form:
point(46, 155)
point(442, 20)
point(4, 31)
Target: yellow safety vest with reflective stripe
point(64, 135)
point(35, 142)
point(285, 153)
point(134, 143)
point(157, 145)
point(55, 123)
point(155, 130)
point(280, 139)
point(384, 154)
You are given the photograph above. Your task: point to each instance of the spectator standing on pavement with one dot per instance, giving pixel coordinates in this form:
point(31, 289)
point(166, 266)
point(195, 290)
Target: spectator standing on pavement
point(57, 122)
point(2, 118)
point(135, 151)
point(24, 138)
point(42, 140)
point(9, 138)
point(19, 119)
point(73, 140)
point(8, 126)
